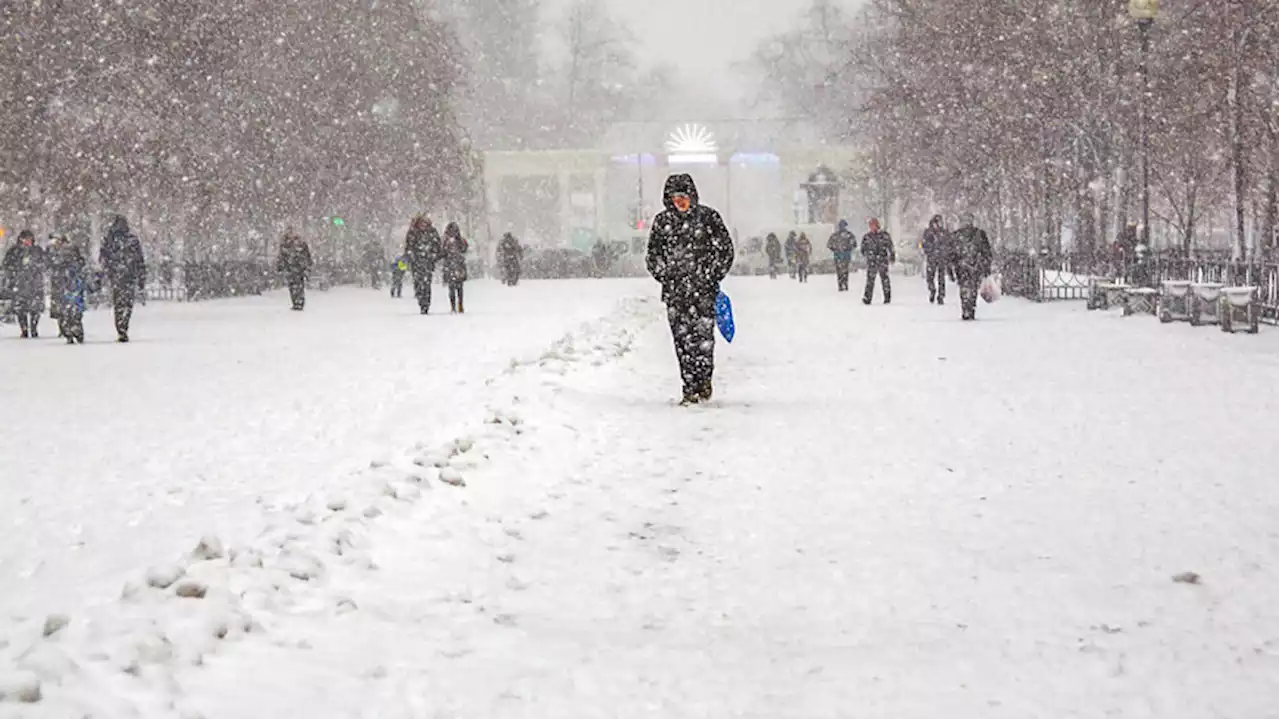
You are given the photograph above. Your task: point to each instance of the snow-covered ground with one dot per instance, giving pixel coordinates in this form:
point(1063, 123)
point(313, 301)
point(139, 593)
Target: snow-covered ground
point(885, 513)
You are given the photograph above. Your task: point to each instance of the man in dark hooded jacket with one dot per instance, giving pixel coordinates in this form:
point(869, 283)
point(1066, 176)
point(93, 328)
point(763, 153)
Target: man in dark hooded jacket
point(934, 244)
point(841, 245)
point(121, 260)
point(877, 247)
point(24, 267)
point(970, 261)
point(422, 249)
point(690, 252)
point(294, 262)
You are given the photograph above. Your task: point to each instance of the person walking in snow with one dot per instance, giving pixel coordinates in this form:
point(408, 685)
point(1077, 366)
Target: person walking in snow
point(373, 258)
point(970, 260)
point(841, 244)
point(422, 248)
point(126, 271)
point(789, 251)
point(773, 251)
point(804, 254)
point(67, 281)
point(23, 267)
point(509, 255)
point(877, 248)
point(294, 262)
point(399, 266)
point(690, 253)
point(934, 243)
point(454, 253)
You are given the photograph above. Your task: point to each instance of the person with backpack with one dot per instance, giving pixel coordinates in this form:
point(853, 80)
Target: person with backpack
point(841, 244)
point(970, 259)
point(934, 243)
point(877, 248)
point(454, 253)
point(294, 262)
point(126, 271)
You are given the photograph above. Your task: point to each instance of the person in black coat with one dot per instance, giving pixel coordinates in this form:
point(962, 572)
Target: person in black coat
point(67, 284)
point(24, 267)
point(690, 252)
point(453, 252)
point(509, 255)
point(877, 248)
point(934, 243)
point(789, 250)
point(841, 244)
point(294, 262)
point(422, 249)
point(773, 251)
point(970, 260)
point(126, 271)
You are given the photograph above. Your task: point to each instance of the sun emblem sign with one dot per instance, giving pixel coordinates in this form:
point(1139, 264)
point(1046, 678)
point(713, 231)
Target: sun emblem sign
point(691, 139)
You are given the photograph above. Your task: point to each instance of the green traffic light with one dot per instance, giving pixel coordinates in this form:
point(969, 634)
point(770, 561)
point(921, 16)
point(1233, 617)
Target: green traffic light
point(339, 221)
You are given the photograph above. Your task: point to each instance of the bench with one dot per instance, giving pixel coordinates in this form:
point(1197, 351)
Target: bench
point(1140, 300)
point(1205, 297)
point(1239, 304)
point(1175, 300)
point(1104, 293)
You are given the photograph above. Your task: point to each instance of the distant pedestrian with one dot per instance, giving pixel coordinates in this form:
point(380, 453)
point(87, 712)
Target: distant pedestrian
point(454, 254)
point(126, 271)
point(773, 251)
point(841, 245)
point(970, 260)
point(877, 248)
point(422, 249)
point(399, 266)
point(295, 263)
point(935, 244)
point(24, 268)
point(509, 256)
point(804, 257)
point(789, 252)
point(67, 285)
point(690, 252)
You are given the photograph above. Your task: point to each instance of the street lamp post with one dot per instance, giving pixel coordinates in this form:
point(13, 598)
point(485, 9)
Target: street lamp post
point(1144, 11)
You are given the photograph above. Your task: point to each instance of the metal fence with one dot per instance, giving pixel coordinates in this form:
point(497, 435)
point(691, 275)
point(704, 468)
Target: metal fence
point(1044, 277)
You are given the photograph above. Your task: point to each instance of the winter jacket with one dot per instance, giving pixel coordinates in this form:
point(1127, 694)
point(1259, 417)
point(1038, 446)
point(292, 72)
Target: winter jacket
point(294, 259)
point(121, 258)
point(773, 249)
point(934, 244)
point(422, 248)
point(841, 245)
point(509, 250)
point(877, 247)
point(454, 256)
point(689, 253)
point(789, 247)
point(970, 253)
point(399, 266)
point(24, 267)
point(804, 250)
point(67, 277)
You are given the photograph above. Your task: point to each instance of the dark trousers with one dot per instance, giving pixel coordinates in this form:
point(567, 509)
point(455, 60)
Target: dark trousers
point(455, 296)
point(773, 269)
point(397, 284)
point(802, 271)
point(71, 323)
point(298, 291)
point(422, 290)
point(693, 323)
point(28, 322)
point(969, 282)
point(122, 299)
point(935, 275)
point(375, 279)
point(842, 276)
point(873, 271)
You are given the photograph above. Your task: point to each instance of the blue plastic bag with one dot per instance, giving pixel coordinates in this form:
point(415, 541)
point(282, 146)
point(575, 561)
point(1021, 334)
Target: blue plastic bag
point(724, 317)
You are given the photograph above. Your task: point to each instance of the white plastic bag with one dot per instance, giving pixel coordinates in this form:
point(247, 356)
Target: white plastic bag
point(990, 290)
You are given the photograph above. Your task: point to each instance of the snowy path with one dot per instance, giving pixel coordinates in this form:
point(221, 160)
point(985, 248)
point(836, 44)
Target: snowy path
point(885, 513)
point(111, 457)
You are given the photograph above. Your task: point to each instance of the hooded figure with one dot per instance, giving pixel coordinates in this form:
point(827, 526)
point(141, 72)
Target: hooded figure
point(422, 249)
point(804, 255)
point(841, 245)
point(773, 251)
point(877, 247)
point(295, 262)
point(970, 259)
point(121, 260)
point(24, 267)
point(509, 255)
point(454, 251)
point(67, 282)
point(789, 250)
point(690, 252)
point(935, 244)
